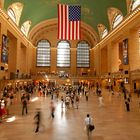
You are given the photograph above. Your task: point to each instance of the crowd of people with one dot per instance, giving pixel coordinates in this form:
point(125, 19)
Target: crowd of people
point(68, 96)
point(9, 96)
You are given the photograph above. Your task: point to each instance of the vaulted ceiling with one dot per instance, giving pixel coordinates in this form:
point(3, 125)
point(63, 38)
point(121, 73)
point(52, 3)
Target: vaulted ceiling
point(94, 12)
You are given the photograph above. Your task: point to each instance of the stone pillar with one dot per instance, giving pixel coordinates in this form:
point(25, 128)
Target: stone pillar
point(12, 58)
point(92, 67)
point(97, 60)
point(114, 57)
point(104, 62)
point(134, 54)
point(109, 52)
point(53, 60)
point(73, 61)
point(134, 50)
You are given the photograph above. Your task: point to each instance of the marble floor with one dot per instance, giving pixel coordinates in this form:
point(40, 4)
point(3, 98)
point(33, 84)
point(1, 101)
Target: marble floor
point(112, 121)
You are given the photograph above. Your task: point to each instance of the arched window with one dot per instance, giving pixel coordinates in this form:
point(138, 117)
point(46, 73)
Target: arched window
point(118, 18)
point(12, 15)
point(43, 53)
point(135, 3)
point(104, 33)
point(83, 54)
point(63, 54)
point(14, 11)
point(25, 27)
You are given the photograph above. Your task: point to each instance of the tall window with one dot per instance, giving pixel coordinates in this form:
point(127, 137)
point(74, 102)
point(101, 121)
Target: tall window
point(12, 14)
point(83, 54)
point(14, 11)
point(104, 33)
point(25, 27)
point(43, 53)
point(63, 54)
point(135, 3)
point(117, 20)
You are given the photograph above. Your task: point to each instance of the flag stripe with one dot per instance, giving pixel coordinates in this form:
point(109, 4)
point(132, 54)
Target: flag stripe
point(75, 30)
point(78, 30)
point(63, 23)
point(68, 23)
point(59, 22)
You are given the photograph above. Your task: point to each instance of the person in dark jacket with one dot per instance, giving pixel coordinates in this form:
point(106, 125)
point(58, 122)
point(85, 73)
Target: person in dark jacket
point(24, 104)
point(37, 118)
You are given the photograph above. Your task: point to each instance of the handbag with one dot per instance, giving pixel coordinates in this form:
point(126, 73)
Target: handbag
point(91, 126)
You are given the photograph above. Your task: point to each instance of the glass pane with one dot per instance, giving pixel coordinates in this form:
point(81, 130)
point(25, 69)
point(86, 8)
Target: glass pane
point(11, 14)
point(135, 4)
point(105, 32)
point(117, 20)
point(43, 53)
point(63, 54)
point(83, 54)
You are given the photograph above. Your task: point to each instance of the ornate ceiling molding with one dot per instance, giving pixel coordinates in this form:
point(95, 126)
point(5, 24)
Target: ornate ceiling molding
point(40, 30)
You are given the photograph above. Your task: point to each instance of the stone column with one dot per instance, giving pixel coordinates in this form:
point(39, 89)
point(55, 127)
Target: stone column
point(104, 62)
point(53, 67)
point(92, 67)
point(73, 65)
point(109, 52)
point(97, 60)
point(134, 50)
point(114, 57)
point(12, 57)
point(134, 54)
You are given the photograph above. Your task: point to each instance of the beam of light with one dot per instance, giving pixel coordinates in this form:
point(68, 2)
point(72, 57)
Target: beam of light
point(11, 119)
point(34, 99)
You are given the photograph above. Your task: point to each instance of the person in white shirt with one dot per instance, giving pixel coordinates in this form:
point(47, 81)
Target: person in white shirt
point(88, 122)
point(67, 102)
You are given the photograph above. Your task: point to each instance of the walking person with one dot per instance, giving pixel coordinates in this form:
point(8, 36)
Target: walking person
point(24, 104)
point(127, 103)
point(67, 102)
point(88, 123)
point(8, 103)
point(72, 101)
point(37, 118)
point(99, 91)
point(100, 100)
point(86, 94)
point(52, 109)
point(2, 109)
point(77, 101)
point(62, 101)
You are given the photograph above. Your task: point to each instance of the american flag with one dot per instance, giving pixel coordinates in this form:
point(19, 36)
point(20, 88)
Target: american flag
point(69, 22)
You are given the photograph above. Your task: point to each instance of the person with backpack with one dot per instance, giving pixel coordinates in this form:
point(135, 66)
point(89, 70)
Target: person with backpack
point(24, 104)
